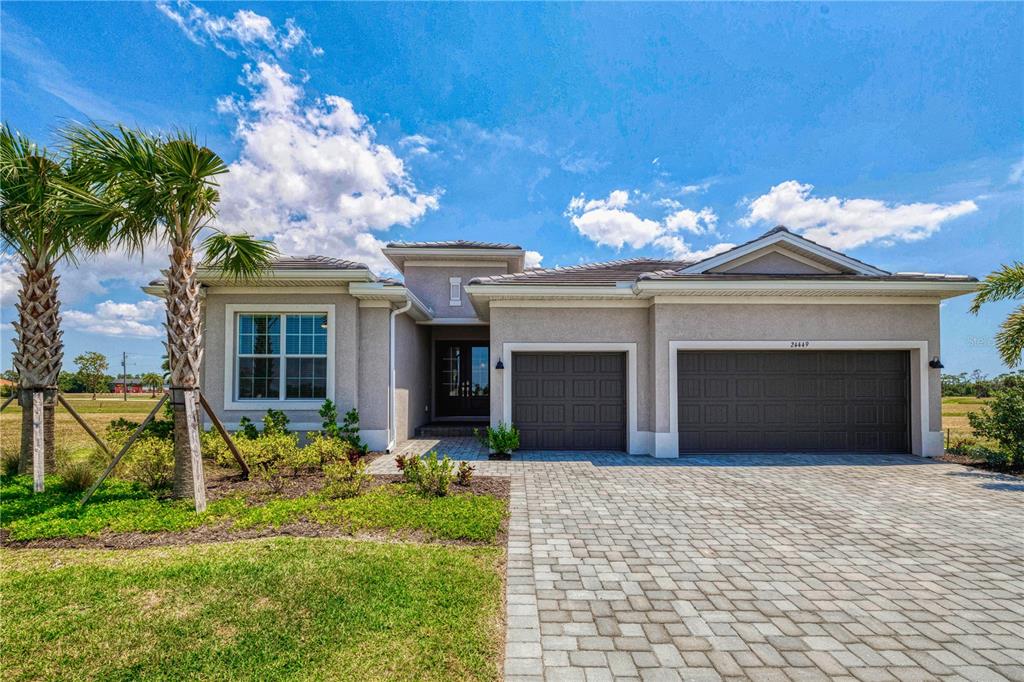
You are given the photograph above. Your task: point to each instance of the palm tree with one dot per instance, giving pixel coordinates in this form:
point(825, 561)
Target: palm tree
point(1007, 283)
point(153, 380)
point(138, 188)
point(34, 228)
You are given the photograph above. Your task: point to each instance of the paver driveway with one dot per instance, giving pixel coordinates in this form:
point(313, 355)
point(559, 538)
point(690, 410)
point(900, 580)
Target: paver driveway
point(768, 567)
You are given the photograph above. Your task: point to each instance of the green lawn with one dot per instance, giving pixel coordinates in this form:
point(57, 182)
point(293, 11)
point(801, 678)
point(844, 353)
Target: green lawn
point(69, 436)
point(954, 415)
point(281, 608)
point(124, 507)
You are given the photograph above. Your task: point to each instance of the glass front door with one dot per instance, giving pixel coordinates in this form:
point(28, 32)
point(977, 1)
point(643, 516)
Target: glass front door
point(463, 382)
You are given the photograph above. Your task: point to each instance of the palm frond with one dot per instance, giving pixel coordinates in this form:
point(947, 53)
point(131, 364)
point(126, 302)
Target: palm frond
point(237, 256)
point(1010, 338)
point(1005, 283)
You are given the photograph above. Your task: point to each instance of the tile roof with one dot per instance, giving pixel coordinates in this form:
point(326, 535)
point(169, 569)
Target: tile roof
point(315, 263)
point(590, 274)
point(454, 244)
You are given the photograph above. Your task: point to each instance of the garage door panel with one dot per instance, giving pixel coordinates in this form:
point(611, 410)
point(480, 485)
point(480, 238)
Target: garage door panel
point(580, 403)
point(779, 401)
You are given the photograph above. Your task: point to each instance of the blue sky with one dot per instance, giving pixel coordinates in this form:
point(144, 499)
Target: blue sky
point(582, 132)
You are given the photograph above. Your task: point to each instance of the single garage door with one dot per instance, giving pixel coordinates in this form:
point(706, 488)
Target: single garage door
point(569, 401)
point(794, 401)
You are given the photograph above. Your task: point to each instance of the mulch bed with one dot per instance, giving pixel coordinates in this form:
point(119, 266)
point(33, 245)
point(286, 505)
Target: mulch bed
point(223, 482)
point(968, 461)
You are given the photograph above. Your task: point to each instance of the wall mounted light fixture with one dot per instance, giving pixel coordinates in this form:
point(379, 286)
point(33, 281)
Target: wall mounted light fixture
point(499, 365)
point(935, 364)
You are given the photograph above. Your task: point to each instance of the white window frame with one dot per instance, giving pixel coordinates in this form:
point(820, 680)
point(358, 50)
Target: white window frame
point(455, 291)
point(231, 313)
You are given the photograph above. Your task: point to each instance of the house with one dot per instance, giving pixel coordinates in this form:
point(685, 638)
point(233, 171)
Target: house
point(777, 345)
point(134, 386)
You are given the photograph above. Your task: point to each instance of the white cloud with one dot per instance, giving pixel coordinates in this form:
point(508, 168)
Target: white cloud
point(680, 250)
point(416, 145)
point(698, 188)
point(118, 319)
point(10, 269)
point(533, 259)
point(1016, 173)
point(310, 173)
point(608, 223)
point(849, 223)
point(253, 34)
point(697, 222)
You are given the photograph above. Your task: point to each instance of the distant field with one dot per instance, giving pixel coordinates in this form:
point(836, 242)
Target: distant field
point(97, 413)
point(954, 414)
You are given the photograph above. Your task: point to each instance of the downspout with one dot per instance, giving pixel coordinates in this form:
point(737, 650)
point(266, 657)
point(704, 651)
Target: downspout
point(392, 406)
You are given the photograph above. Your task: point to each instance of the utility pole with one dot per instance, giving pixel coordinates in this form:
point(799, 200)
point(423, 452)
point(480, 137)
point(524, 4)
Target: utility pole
point(124, 374)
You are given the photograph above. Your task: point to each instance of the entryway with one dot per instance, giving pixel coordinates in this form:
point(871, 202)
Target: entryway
point(462, 381)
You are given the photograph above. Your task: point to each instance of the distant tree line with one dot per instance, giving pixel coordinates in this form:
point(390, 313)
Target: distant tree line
point(978, 385)
point(90, 377)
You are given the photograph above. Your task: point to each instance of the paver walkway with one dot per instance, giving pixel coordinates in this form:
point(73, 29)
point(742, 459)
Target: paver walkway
point(759, 567)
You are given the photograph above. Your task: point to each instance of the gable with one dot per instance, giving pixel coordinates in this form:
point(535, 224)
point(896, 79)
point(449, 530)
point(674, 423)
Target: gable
point(775, 262)
point(783, 243)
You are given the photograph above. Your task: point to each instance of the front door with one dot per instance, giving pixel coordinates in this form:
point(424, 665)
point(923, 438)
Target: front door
point(463, 381)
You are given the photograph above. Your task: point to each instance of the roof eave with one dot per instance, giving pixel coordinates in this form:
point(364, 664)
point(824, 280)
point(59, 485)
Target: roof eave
point(937, 289)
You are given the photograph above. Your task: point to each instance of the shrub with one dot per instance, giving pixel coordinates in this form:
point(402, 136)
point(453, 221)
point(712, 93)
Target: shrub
point(213, 447)
point(269, 456)
point(502, 440)
point(410, 466)
point(246, 429)
point(9, 462)
point(327, 450)
point(350, 431)
point(465, 473)
point(964, 445)
point(344, 479)
point(119, 430)
point(435, 476)
point(149, 462)
point(77, 477)
point(329, 415)
point(1002, 420)
point(275, 422)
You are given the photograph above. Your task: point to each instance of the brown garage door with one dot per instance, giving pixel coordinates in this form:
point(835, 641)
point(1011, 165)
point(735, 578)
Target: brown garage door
point(794, 401)
point(569, 401)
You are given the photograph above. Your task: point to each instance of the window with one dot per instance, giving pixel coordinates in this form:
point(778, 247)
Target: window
point(454, 291)
point(282, 357)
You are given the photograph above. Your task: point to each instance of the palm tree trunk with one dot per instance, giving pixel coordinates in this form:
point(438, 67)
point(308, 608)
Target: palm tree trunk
point(38, 353)
point(184, 353)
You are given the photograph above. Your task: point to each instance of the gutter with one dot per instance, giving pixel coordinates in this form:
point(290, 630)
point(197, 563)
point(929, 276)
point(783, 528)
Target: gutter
point(392, 406)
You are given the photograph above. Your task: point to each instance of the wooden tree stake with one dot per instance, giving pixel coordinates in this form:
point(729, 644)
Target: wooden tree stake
point(8, 401)
point(83, 424)
point(131, 441)
point(225, 435)
point(38, 465)
point(192, 424)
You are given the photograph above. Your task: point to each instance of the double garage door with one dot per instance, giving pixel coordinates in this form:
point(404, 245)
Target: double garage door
point(794, 401)
point(728, 401)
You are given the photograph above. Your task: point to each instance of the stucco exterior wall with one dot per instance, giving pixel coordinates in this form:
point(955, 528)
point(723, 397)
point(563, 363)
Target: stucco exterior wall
point(772, 263)
point(373, 349)
point(574, 325)
point(214, 358)
point(817, 322)
point(430, 285)
point(412, 376)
